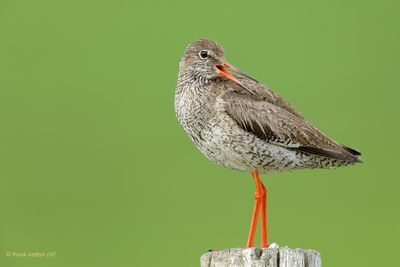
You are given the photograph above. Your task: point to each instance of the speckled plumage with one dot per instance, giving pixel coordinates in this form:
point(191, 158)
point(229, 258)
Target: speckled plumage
point(247, 127)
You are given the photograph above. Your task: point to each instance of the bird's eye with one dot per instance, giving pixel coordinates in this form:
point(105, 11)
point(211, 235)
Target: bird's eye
point(203, 54)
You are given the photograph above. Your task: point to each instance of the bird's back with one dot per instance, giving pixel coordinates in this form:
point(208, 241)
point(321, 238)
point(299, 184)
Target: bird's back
point(261, 111)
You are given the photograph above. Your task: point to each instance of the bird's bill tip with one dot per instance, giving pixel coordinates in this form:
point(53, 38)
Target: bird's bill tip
point(222, 71)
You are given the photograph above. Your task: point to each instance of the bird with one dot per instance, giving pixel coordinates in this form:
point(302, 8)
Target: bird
point(239, 123)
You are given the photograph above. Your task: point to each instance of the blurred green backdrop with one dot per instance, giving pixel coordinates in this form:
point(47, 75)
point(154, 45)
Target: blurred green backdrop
point(94, 166)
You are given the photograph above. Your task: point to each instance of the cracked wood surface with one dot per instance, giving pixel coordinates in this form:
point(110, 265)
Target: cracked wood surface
point(257, 257)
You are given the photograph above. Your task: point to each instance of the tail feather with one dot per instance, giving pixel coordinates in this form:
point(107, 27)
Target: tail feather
point(352, 151)
point(348, 154)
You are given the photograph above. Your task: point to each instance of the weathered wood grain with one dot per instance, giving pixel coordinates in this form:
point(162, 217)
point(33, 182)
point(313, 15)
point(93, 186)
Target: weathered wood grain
point(257, 257)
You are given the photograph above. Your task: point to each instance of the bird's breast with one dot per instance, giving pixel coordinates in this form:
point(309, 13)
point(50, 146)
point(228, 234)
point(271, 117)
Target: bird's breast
point(210, 128)
point(194, 112)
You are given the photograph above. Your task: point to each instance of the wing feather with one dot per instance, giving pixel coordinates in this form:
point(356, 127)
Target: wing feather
point(282, 125)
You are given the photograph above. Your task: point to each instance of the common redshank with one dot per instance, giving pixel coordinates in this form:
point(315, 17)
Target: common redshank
point(239, 123)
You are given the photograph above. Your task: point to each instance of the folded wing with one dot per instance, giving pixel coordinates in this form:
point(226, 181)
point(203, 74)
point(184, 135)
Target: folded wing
point(278, 123)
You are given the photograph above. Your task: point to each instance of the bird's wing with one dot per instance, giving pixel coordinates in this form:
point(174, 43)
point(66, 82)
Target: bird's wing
point(277, 125)
point(264, 93)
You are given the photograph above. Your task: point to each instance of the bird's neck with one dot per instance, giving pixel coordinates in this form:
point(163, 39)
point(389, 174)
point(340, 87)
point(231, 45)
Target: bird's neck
point(193, 79)
point(194, 100)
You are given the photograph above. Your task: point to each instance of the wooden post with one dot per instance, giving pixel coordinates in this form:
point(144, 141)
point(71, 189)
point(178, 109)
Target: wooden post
point(266, 257)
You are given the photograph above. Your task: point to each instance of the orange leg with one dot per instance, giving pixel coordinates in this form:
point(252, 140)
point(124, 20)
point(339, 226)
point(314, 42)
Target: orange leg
point(264, 232)
point(253, 226)
point(260, 205)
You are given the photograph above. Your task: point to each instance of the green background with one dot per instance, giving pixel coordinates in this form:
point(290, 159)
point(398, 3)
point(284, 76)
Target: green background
point(93, 163)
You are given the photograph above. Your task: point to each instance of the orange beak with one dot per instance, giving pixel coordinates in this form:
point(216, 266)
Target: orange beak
point(222, 70)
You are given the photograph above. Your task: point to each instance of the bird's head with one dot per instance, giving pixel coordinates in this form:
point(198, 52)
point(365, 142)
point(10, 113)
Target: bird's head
point(204, 60)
